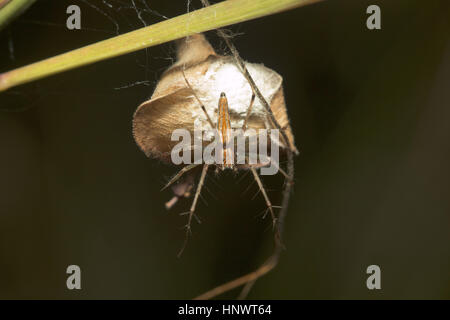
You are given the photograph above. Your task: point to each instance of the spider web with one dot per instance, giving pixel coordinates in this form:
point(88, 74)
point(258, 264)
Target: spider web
point(104, 18)
point(100, 20)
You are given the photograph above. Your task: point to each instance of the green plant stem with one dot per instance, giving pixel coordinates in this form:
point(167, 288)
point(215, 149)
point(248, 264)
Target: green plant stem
point(3, 3)
point(9, 9)
point(219, 15)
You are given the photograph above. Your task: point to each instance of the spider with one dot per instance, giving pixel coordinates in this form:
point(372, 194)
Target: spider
point(201, 74)
point(223, 127)
point(200, 77)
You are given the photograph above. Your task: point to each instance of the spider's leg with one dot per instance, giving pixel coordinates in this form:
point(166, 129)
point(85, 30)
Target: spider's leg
point(199, 102)
point(179, 174)
point(277, 166)
point(249, 110)
point(266, 198)
point(194, 204)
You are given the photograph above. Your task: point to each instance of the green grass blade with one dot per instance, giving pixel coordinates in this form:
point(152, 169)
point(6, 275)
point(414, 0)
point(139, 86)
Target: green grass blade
point(219, 15)
point(11, 9)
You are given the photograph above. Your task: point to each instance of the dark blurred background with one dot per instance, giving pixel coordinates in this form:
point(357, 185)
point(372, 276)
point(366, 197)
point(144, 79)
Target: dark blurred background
point(370, 113)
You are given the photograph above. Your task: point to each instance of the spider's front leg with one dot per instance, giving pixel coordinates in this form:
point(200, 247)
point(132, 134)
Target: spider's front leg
point(249, 110)
point(253, 168)
point(266, 197)
point(191, 212)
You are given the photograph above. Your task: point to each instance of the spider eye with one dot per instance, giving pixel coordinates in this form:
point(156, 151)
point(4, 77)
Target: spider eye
point(222, 94)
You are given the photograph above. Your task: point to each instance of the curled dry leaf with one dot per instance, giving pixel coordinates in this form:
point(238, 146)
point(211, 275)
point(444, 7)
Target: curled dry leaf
point(173, 104)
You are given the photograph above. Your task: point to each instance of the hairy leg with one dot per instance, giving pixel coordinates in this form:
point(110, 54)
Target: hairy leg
point(179, 174)
point(194, 204)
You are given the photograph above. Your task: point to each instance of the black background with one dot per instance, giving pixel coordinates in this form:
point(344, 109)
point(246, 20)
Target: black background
point(370, 113)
